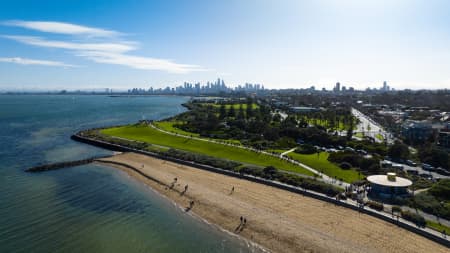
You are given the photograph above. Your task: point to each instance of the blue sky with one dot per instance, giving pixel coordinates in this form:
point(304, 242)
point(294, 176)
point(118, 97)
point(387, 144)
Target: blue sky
point(281, 44)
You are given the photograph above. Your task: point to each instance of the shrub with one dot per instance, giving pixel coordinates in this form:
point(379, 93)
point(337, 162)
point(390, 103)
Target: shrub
point(396, 209)
point(202, 159)
point(418, 219)
point(349, 157)
point(306, 149)
point(375, 205)
point(345, 166)
point(441, 190)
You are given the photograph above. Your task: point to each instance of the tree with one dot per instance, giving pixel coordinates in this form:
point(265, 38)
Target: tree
point(249, 110)
point(398, 151)
point(350, 129)
point(223, 111)
point(241, 114)
point(232, 112)
point(211, 121)
point(276, 117)
point(270, 172)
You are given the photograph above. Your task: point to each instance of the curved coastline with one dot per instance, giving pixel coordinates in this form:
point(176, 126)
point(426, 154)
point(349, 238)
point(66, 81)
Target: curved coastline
point(320, 197)
point(136, 174)
point(278, 220)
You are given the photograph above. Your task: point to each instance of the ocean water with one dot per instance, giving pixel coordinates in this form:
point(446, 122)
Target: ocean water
point(88, 208)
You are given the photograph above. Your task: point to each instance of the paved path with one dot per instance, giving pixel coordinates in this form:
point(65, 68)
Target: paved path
point(287, 152)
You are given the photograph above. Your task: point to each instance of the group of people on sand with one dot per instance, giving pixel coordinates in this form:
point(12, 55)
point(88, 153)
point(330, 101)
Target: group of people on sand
point(172, 185)
point(241, 225)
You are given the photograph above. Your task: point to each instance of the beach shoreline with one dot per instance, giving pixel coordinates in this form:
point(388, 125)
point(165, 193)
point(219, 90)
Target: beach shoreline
point(277, 220)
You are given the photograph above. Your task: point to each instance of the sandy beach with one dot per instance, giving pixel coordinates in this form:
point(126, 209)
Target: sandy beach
point(278, 220)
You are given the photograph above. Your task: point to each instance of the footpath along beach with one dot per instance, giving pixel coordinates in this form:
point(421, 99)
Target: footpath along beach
point(279, 220)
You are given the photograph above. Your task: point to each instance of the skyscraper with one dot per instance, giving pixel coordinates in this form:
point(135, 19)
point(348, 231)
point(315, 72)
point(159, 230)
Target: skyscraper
point(337, 88)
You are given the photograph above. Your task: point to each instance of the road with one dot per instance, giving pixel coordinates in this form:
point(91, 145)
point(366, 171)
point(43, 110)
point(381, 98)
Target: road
point(420, 170)
point(371, 128)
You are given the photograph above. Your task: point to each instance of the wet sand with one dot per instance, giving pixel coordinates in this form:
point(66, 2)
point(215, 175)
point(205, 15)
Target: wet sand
point(278, 220)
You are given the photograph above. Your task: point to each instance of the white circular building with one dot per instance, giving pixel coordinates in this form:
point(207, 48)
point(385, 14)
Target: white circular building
point(388, 186)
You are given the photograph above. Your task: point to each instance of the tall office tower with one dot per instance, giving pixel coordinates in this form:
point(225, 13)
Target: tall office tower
point(337, 88)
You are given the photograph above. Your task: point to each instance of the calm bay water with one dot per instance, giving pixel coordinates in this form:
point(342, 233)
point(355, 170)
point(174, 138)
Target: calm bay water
point(87, 208)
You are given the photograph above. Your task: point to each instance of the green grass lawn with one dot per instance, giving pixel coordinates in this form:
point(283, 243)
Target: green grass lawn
point(236, 106)
point(438, 227)
point(168, 126)
point(321, 163)
point(379, 137)
point(359, 135)
point(324, 123)
point(153, 136)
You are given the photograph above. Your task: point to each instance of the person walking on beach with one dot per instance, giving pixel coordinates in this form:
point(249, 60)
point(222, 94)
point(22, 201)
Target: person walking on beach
point(232, 190)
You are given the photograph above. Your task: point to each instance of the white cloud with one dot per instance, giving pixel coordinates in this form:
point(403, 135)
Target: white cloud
point(111, 53)
point(139, 62)
point(26, 61)
point(62, 28)
point(115, 52)
point(106, 47)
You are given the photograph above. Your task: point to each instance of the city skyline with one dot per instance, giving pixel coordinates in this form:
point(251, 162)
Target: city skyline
point(294, 44)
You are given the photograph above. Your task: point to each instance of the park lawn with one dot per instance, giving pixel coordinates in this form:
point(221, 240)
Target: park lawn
point(237, 106)
point(169, 127)
point(320, 163)
point(150, 135)
point(438, 227)
point(359, 135)
point(379, 137)
point(324, 123)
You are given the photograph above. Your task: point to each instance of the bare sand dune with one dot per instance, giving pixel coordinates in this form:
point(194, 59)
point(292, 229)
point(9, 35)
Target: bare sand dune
point(276, 219)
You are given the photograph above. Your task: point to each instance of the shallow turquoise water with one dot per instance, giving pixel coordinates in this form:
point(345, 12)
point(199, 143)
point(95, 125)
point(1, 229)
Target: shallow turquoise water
point(87, 208)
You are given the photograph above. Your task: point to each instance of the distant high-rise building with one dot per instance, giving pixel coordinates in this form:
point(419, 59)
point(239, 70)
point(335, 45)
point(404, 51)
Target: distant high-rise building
point(385, 87)
point(337, 88)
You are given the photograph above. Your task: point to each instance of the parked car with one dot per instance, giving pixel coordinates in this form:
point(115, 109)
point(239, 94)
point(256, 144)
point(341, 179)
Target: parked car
point(361, 151)
point(349, 149)
point(426, 175)
point(427, 167)
point(411, 163)
point(386, 164)
point(397, 166)
point(412, 172)
point(442, 171)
